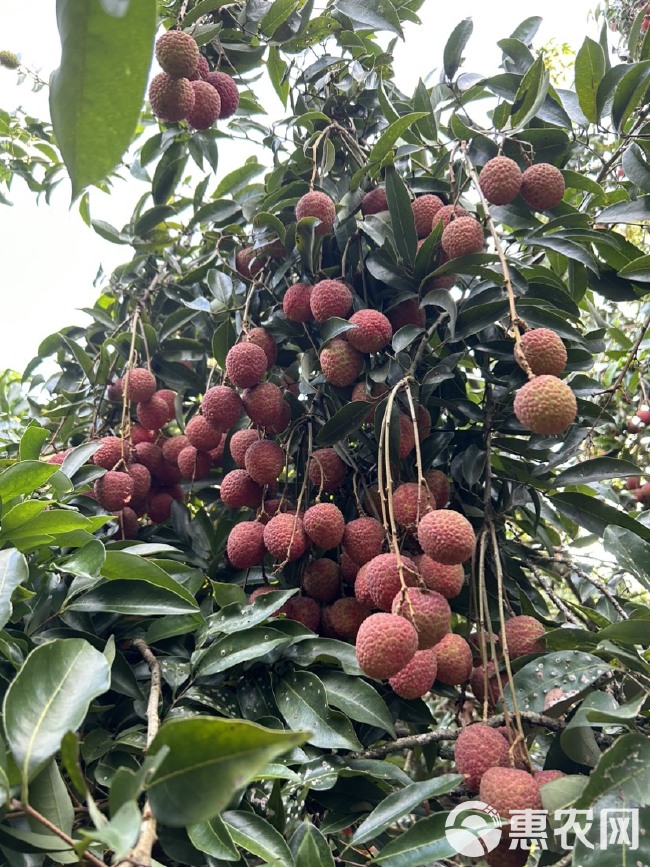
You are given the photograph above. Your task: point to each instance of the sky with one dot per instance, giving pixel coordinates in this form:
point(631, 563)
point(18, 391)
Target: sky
point(50, 257)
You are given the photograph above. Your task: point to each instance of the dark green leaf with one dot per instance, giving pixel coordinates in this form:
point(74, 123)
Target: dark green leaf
point(629, 92)
point(595, 470)
point(595, 515)
point(238, 648)
point(343, 423)
point(357, 699)
point(24, 478)
point(422, 844)
point(531, 93)
point(13, 572)
point(453, 52)
point(590, 69)
point(213, 838)
point(375, 14)
point(637, 211)
point(256, 835)
point(401, 215)
point(392, 133)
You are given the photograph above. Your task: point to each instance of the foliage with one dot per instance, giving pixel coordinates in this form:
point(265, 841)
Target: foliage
point(273, 745)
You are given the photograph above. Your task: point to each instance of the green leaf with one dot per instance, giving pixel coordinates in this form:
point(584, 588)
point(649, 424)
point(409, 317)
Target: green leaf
point(311, 847)
point(531, 93)
point(48, 794)
point(375, 14)
point(595, 515)
point(453, 52)
point(629, 92)
point(32, 441)
point(23, 478)
point(278, 74)
point(589, 71)
point(203, 7)
point(238, 648)
point(237, 616)
point(578, 740)
point(621, 773)
point(239, 178)
point(596, 470)
point(49, 698)
point(570, 671)
point(77, 458)
point(85, 562)
point(637, 211)
point(421, 845)
point(631, 552)
point(132, 598)
point(636, 167)
point(391, 134)
point(402, 803)
point(124, 565)
point(223, 339)
point(357, 699)
point(277, 14)
point(96, 93)
point(301, 698)
point(259, 837)
point(343, 423)
point(13, 572)
point(212, 756)
point(120, 833)
point(401, 215)
point(637, 270)
point(213, 838)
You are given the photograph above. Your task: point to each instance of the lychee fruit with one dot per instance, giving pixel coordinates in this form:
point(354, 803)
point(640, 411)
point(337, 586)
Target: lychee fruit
point(508, 789)
point(202, 69)
point(127, 522)
point(173, 446)
point(406, 436)
point(141, 482)
point(385, 644)
point(141, 435)
point(322, 579)
point(454, 659)
point(371, 333)
point(340, 363)
point(346, 616)
point(417, 677)
point(384, 576)
point(264, 461)
point(479, 748)
point(159, 507)
point(524, 635)
point(110, 452)
point(439, 486)
point(544, 351)
point(285, 537)
point(546, 405)
point(140, 384)
point(177, 53)
point(225, 85)
point(304, 610)
point(377, 391)
point(542, 186)
point(261, 337)
point(643, 415)
point(9, 60)
point(194, 464)
point(324, 524)
point(167, 474)
point(171, 99)
point(462, 237)
point(245, 364)
point(330, 298)
point(544, 777)
point(326, 470)
point(149, 454)
point(446, 580)
point(249, 262)
point(423, 422)
point(317, 204)
point(349, 569)
point(264, 404)
point(504, 856)
point(361, 589)
point(363, 539)
point(239, 443)
point(407, 312)
point(446, 537)
point(114, 490)
point(374, 202)
point(424, 210)
point(281, 421)
point(221, 407)
point(296, 303)
point(477, 682)
point(153, 413)
point(169, 396)
point(207, 105)
point(245, 546)
point(201, 434)
point(429, 612)
point(410, 503)
point(239, 491)
point(500, 180)
point(447, 214)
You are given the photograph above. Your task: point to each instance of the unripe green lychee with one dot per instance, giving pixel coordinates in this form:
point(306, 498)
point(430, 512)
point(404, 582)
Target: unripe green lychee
point(201, 434)
point(245, 364)
point(384, 575)
point(114, 490)
point(324, 524)
point(221, 407)
point(479, 748)
point(177, 53)
point(371, 333)
point(265, 405)
point(454, 659)
point(296, 302)
point(417, 676)
point(427, 610)
point(462, 237)
point(446, 537)
point(140, 384)
point(546, 405)
point(194, 464)
point(330, 298)
point(207, 105)
point(363, 539)
point(385, 644)
point(508, 789)
point(524, 635)
point(285, 537)
point(374, 202)
point(225, 85)
point(542, 186)
point(245, 547)
point(172, 99)
point(410, 503)
point(239, 491)
point(326, 470)
point(322, 579)
point(500, 180)
point(346, 616)
point(264, 461)
point(446, 580)
point(317, 204)
point(424, 210)
point(341, 363)
point(544, 351)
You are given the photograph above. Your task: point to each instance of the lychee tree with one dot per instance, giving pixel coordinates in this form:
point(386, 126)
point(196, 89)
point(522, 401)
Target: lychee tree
point(349, 463)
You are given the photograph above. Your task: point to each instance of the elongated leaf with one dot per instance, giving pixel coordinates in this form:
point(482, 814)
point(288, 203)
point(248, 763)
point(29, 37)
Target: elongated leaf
point(637, 211)
point(530, 94)
point(278, 13)
point(567, 672)
point(213, 838)
point(49, 698)
point(238, 648)
point(421, 845)
point(311, 847)
point(392, 133)
point(256, 835)
point(13, 571)
point(377, 14)
point(357, 699)
point(590, 68)
point(32, 441)
point(629, 92)
point(123, 565)
point(637, 270)
point(343, 423)
point(212, 756)
point(594, 515)
point(595, 470)
point(48, 794)
point(631, 552)
point(302, 700)
point(24, 478)
point(401, 215)
point(132, 597)
point(96, 93)
point(453, 53)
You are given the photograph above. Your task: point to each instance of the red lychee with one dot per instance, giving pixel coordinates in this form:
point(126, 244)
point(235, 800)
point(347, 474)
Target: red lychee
point(304, 610)
point(385, 644)
point(349, 569)
point(171, 99)
point(417, 676)
point(150, 455)
point(322, 579)
point(407, 312)
point(245, 546)
point(239, 491)
point(177, 53)
point(326, 470)
point(447, 214)
point(542, 186)
point(479, 748)
point(330, 298)
point(159, 507)
point(141, 435)
point(114, 490)
point(454, 659)
point(245, 364)
point(462, 237)
point(221, 407)
point(439, 486)
point(384, 575)
point(544, 777)
point(377, 391)
point(544, 351)
point(500, 180)
point(446, 537)
point(110, 452)
point(127, 522)
point(141, 482)
point(361, 589)
point(524, 635)
point(173, 447)
point(494, 677)
point(423, 422)
point(264, 461)
point(371, 333)
point(285, 538)
point(261, 337)
point(427, 610)
point(249, 262)
point(363, 539)
point(340, 363)
point(201, 434)
point(324, 524)
point(296, 303)
point(546, 405)
point(239, 443)
point(508, 789)
point(317, 204)
point(140, 384)
point(446, 580)
point(282, 421)
point(406, 436)
point(410, 503)
point(202, 69)
point(228, 92)
point(374, 202)
point(153, 413)
point(424, 210)
point(207, 105)
point(264, 404)
point(169, 396)
point(194, 464)
point(346, 616)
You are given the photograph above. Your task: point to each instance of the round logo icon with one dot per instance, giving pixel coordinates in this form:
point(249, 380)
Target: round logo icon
point(473, 829)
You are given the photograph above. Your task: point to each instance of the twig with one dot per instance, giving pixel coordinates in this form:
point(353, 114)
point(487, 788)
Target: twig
point(45, 822)
point(560, 604)
point(602, 174)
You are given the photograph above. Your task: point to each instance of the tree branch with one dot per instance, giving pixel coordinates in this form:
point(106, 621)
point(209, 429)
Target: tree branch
point(45, 822)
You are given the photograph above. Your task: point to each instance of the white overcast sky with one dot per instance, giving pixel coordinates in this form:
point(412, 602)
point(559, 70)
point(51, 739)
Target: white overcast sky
point(50, 258)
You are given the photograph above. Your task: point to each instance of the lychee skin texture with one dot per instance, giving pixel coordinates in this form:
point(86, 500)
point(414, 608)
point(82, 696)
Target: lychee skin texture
point(447, 214)
point(500, 180)
point(546, 405)
point(109, 453)
point(317, 204)
point(508, 789)
point(115, 390)
point(239, 443)
point(304, 610)
point(462, 237)
point(377, 391)
point(372, 331)
point(296, 303)
point(326, 470)
point(221, 407)
point(261, 337)
point(264, 404)
point(324, 524)
point(245, 364)
point(245, 547)
point(429, 612)
point(446, 580)
point(374, 202)
point(346, 616)
point(349, 569)
point(202, 69)
point(384, 582)
point(159, 507)
point(177, 53)
point(149, 454)
point(127, 523)
point(439, 486)
point(446, 537)
point(141, 384)
point(542, 187)
point(410, 503)
point(340, 363)
point(169, 397)
point(423, 422)
point(249, 262)
point(361, 589)
point(330, 298)
point(477, 682)
point(141, 482)
point(140, 435)
point(238, 490)
point(385, 644)
point(406, 436)
point(504, 856)
point(479, 748)
point(152, 414)
point(225, 85)
point(524, 635)
point(363, 539)
point(321, 579)
point(544, 777)
point(194, 464)
point(407, 312)
point(544, 351)
point(424, 210)
point(171, 99)
point(281, 421)
point(285, 537)
point(264, 461)
point(207, 105)
point(114, 490)
point(416, 678)
point(454, 657)
point(201, 434)
point(172, 447)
